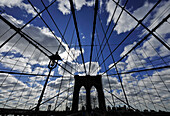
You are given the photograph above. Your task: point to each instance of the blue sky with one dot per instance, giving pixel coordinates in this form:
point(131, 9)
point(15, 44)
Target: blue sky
point(20, 56)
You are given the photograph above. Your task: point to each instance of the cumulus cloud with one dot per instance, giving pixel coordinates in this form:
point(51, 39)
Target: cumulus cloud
point(20, 56)
point(15, 89)
point(79, 68)
point(20, 4)
point(62, 80)
point(64, 5)
point(126, 22)
point(120, 66)
point(10, 3)
point(29, 55)
point(162, 9)
point(150, 89)
point(31, 59)
point(150, 86)
point(114, 83)
point(23, 93)
point(151, 49)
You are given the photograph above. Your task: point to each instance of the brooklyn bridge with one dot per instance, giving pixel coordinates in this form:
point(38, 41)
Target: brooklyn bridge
point(84, 58)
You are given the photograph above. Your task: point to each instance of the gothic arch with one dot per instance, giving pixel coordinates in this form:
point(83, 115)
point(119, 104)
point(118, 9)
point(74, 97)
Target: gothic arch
point(88, 82)
point(82, 98)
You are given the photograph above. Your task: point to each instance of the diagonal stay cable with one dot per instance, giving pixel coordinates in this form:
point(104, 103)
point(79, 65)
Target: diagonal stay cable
point(145, 26)
point(30, 74)
point(139, 22)
point(55, 22)
point(113, 61)
point(52, 97)
point(16, 29)
point(77, 32)
point(25, 35)
point(93, 33)
point(21, 33)
point(63, 74)
point(51, 31)
point(154, 29)
point(108, 25)
point(62, 35)
point(105, 67)
point(112, 28)
point(25, 25)
point(119, 98)
point(124, 92)
point(142, 70)
point(63, 101)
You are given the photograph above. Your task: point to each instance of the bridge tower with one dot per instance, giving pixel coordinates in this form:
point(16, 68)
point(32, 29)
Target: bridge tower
point(88, 81)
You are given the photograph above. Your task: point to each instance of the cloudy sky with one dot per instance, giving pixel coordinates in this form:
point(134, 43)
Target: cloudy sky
point(54, 29)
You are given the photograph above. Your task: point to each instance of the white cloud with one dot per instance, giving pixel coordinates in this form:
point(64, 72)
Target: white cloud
point(144, 89)
point(15, 88)
point(120, 66)
point(126, 22)
point(79, 3)
point(141, 84)
point(18, 3)
point(65, 82)
point(83, 37)
point(64, 5)
point(161, 12)
point(28, 54)
point(24, 57)
point(23, 94)
point(79, 68)
point(114, 83)
point(94, 69)
point(73, 54)
point(10, 3)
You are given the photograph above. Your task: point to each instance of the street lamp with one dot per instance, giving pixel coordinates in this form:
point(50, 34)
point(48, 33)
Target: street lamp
point(52, 64)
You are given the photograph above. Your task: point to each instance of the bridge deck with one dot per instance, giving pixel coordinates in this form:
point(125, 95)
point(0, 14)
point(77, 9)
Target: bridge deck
point(16, 112)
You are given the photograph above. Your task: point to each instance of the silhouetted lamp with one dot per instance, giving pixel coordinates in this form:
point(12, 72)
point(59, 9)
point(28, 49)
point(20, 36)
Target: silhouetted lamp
point(52, 64)
point(53, 58)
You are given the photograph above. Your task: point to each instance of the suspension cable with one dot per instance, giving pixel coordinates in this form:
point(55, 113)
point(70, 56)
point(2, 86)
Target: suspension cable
point(93, 33)
point(77, 32)
point(139, 22)
point(112, 28)
point(139, 42)
point(150, 31)
point(25, 25)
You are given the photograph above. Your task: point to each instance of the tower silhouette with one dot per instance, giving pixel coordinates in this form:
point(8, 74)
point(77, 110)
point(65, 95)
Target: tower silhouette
point(88, 82)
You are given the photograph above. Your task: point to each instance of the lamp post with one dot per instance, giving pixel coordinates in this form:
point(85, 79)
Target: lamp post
point(52, 64)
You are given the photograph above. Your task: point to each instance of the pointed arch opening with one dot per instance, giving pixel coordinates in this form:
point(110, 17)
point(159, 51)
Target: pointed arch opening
point(94, 98)
point(82, 99)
